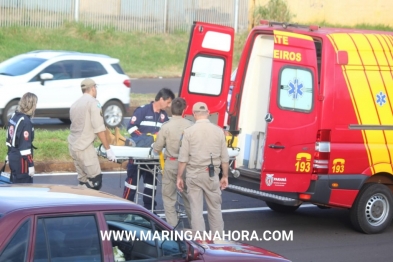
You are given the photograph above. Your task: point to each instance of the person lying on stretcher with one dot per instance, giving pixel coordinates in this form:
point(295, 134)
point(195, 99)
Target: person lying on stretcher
point(117, 139)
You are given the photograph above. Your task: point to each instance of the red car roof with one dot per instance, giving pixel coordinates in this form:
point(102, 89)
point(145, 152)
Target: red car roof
point(21, 196)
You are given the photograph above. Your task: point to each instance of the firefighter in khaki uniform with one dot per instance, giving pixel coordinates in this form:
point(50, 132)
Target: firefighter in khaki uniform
point(169, 137)
point(86, 123)
point(204, 144)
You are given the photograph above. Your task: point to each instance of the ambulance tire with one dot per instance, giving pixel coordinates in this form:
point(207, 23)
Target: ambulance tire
point(281, 208)
point(372, 211)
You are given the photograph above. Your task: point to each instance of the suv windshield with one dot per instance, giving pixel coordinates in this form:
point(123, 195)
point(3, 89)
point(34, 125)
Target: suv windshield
point(19, 65)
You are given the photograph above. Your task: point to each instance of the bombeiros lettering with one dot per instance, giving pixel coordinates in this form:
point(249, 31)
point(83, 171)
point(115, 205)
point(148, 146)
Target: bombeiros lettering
point(283, 54)
point(286, 55)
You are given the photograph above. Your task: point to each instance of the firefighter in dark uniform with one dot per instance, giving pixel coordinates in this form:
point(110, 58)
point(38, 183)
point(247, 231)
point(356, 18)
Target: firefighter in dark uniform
point(20, 136)
point(146, 119)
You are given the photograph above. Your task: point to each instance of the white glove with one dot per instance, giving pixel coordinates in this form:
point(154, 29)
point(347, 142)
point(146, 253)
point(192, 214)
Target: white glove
point(110, 155)
point(31, 171)
point(6, 158)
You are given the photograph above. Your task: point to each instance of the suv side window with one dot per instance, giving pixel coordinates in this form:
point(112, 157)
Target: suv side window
point(58, 71)
point(91, 69)
point(71, 238)
point(140, 238)
point(16, 249)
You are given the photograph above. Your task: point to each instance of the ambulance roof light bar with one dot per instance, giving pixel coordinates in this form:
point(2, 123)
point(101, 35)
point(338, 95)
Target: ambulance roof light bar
point(286, 25)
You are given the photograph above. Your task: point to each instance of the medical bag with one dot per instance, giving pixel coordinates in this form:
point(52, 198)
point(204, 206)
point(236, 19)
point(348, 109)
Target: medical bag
point(5, 178)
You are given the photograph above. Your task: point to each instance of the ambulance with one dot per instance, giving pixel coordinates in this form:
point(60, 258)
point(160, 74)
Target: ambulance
point(311, 110)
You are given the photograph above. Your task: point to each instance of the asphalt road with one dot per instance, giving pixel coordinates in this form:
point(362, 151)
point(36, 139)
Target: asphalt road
point(318, 234)
point(152, 85)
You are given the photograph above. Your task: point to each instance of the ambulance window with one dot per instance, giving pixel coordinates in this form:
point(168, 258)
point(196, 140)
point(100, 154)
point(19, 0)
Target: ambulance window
point(206, 75)
point(296, 89)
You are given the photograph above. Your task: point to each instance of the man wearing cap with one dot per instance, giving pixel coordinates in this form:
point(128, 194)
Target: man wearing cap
point(87, 123)
point(169, 137)
point(204, 144)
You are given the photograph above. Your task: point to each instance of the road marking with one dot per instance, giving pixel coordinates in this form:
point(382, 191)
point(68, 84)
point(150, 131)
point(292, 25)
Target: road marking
point(74, 174)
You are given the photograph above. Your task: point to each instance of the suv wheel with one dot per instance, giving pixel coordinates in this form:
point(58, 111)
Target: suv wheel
point(8, 111)
point(113, 113)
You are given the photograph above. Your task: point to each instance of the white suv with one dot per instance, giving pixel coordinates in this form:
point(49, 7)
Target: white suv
point(55, 77)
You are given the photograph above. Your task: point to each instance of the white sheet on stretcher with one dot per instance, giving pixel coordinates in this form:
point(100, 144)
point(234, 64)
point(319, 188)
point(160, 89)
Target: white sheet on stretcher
point(126, 152)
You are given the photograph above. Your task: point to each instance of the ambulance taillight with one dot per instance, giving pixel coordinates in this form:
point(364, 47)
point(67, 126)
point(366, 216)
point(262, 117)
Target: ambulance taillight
point(322, 152)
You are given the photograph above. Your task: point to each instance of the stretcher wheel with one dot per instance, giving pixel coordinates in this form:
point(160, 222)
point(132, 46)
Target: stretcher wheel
point(235, 173)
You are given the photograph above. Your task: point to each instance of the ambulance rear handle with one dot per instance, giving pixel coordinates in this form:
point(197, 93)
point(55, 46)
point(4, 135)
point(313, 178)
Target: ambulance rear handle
point(276, 147)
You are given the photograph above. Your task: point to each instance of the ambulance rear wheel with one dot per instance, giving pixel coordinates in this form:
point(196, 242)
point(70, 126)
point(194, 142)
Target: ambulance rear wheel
point(281, 208)
point(372, 211)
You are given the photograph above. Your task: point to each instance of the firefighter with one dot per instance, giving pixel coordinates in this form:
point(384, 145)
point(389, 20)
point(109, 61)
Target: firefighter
point(146, 119)
point(203, 149)
point(20, 136)
point(169, 137)
point(86, 123)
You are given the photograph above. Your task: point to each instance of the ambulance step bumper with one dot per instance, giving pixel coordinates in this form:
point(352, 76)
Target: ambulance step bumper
point(265, 196)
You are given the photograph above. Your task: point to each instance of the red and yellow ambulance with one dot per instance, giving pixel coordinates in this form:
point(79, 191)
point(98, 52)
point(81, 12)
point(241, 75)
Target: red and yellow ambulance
point(312, 109)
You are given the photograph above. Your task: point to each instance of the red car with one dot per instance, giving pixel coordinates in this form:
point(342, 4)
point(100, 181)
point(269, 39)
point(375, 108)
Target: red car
point(66, 223)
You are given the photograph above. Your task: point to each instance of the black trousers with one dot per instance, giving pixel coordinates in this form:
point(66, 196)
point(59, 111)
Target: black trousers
point(19, 169)
point(131, 180)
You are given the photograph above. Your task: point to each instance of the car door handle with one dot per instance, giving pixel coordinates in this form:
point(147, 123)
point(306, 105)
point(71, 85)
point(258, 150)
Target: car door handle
point(276, 147)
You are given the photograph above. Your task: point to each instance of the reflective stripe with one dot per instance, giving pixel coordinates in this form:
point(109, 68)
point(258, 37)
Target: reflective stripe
point(132, 129)
point(150, 186)
point(16, 128)
point(129, 186)
point(25, 152)
point(150, 123)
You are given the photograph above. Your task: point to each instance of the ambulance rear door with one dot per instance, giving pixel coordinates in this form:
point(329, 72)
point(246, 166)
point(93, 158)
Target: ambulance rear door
point(207, 69)
point(292, 114)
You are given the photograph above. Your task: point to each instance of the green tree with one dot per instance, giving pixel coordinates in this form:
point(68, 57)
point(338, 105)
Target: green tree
point(274, 10)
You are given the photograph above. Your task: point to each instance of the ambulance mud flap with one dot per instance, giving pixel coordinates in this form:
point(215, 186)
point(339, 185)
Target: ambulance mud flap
point(252, 190)
point(323, 189)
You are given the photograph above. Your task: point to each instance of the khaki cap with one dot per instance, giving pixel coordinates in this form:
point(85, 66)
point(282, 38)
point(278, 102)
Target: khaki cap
point(200, 106)
point(87, 83)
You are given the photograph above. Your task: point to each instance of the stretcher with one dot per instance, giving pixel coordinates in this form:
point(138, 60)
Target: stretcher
point(124, 153)
point(146, 159)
